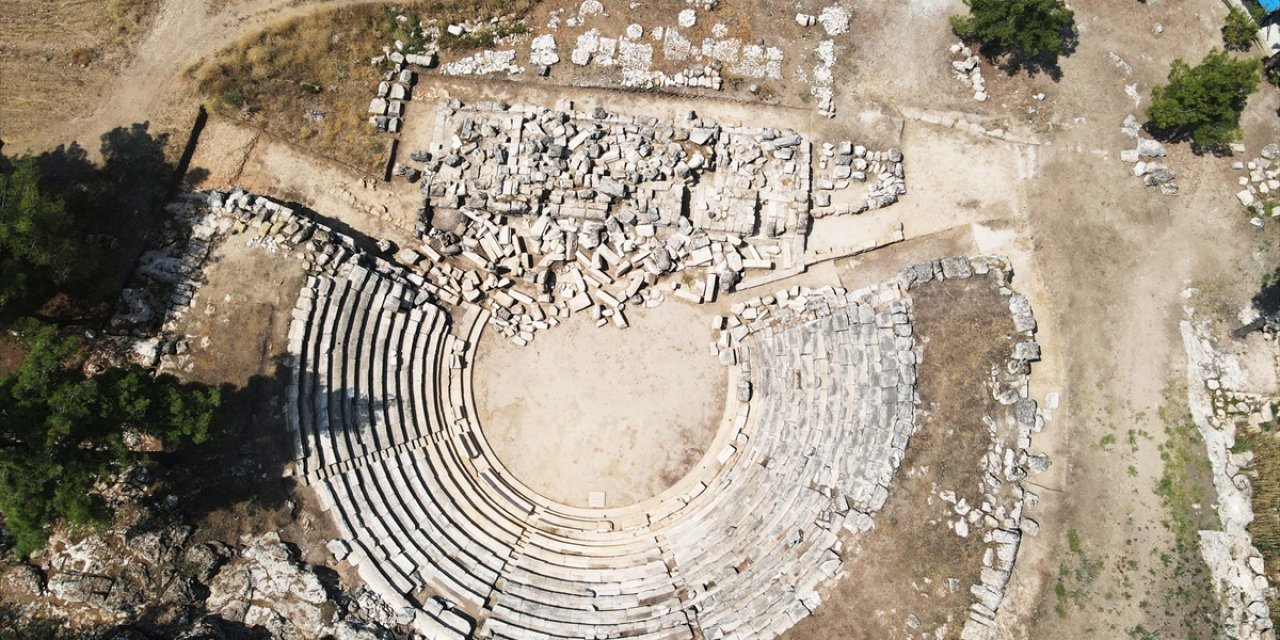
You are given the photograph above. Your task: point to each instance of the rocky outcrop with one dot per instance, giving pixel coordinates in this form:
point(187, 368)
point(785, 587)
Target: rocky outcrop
point(1239, 574)
point(146, 567)
point(266, 586)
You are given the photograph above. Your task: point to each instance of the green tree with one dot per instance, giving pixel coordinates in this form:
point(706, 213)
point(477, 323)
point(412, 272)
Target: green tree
point(1204, 102)
point(36, 248)
point(1240, 30)
point(1030, 30)
point(62, 431)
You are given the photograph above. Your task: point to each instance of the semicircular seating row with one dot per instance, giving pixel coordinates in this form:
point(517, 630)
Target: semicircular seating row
point(384, 429)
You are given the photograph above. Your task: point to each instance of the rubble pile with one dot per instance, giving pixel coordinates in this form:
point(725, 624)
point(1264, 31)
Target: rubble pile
point(842, 165)
point(823, 78)
point(484, 63)
point(626, 52)
point(697, 76)
point(640, 170)
point(538, 213)
point(968, 70)
point(386, 110)
point(834, 20)
point(636, 59)
point(164, 285)
point(1219, 408)
point(1261, 181)
point(1154, 173)
point(543, 53)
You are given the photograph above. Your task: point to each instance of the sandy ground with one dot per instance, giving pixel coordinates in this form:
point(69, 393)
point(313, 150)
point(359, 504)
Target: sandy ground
point(607, 417)
point(237, 337)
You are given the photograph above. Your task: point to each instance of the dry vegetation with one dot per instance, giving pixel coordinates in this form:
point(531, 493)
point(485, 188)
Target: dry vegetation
point(309, 79)
point(1265, 529)
point(1266, 490)
point(81, 30)
point(56, 56)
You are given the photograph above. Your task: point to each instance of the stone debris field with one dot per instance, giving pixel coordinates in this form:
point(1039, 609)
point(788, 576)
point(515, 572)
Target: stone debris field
point(560, 212)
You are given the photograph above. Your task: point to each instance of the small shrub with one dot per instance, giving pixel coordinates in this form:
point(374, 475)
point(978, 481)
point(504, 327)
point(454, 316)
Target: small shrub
point(1204, 102)
point(83, 56)
point(1073, 541)
point(1240, 30)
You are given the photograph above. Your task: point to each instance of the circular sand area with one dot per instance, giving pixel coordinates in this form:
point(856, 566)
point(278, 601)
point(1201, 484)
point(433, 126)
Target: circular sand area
point(582, 409)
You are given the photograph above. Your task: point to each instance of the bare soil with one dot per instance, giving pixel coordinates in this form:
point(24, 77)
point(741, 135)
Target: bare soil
point(12, 351)
point(584, 409)
point(237, 336)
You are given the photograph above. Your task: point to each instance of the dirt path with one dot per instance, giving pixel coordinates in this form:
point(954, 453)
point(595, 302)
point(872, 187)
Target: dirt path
point(1115, 258)
point(183, 33)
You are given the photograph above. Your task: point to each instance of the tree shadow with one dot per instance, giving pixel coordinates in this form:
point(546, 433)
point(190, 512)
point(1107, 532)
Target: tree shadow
point(1267, 300)
point(1182, 134)
point(209, 627)
point(1267, 303)
point(1014, 63)
point(13, 626)
point(195, 177)
point(1048, 64)
point(242, 465)
point(114, 205)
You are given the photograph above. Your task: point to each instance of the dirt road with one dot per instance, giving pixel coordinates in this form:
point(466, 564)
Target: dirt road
point(151, 86)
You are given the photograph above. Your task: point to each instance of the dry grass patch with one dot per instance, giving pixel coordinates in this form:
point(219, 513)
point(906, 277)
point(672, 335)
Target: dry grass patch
point(309, 79)
point(1265, 528)
point(56, 57)
point(74, 25)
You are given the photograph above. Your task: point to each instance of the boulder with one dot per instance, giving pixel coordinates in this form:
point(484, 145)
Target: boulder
point(1151, 149)
point(25, 579)
point(956, 267)
point(1157, 175)
point(205, 559)
point(80, 588)
point(348, 630)
point(1039, 463)
point(266, 585)
point(1027, 350)
point(158, 539)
